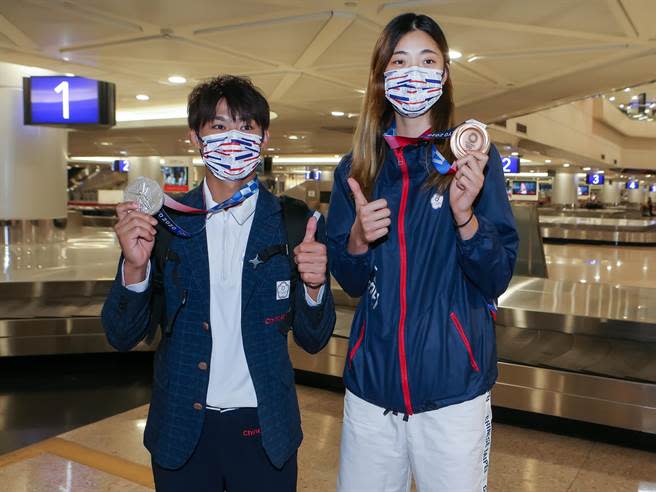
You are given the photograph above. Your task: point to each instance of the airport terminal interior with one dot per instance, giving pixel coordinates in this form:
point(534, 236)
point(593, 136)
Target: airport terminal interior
point(567, 90)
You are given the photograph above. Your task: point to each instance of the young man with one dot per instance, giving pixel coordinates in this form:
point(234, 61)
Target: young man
point(224, 413)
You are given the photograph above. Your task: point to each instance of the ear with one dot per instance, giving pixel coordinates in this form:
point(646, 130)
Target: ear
point(194, 139)
point(445, 74)
point(265, 140)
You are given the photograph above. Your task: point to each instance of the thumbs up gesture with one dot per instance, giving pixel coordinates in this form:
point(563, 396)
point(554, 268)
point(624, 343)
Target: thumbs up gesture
point(312, 258)
point(372, 220)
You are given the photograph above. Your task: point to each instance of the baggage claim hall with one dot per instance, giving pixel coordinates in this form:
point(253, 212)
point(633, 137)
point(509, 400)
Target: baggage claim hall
point(93, 96)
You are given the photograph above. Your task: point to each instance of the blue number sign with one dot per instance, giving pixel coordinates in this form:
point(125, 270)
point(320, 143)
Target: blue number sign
point(64, 100)
point(510, 164)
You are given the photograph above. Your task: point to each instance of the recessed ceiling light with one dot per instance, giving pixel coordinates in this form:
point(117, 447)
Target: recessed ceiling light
point(69, 74)
point(162, 161)
point(586, 168)
point(105, 144)
point(514, 153)
point(627, 90)
point(271, 149)
point(337, 113)
point(273, 115)
point(293, 137)
point(66, 58)
point(360, 91)
point(634, 98)
point(547, 161)
point(472, 59)
point(123, 152)
point(142, 97)
point(621, 106)
point(454, 54)
point(191, 151)
point(177, 79)
point(187, 141)
point(611, 98)
point(567, 164)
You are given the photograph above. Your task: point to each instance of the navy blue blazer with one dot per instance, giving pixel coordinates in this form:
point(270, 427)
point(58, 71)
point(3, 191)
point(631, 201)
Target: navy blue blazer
point(178, 400)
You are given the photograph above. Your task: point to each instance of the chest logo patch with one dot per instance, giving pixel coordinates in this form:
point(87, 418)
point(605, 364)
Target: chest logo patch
point(437, 200)
point(282, 290)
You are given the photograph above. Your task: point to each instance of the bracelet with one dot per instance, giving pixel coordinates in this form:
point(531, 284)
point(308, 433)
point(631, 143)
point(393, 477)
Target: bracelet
point(468, 221)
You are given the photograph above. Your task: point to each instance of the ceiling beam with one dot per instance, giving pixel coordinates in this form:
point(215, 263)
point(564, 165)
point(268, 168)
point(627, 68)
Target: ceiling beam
point(15, 35)
point(533, 29)
point(623, 18)
point(82, 10)
point(329, 33)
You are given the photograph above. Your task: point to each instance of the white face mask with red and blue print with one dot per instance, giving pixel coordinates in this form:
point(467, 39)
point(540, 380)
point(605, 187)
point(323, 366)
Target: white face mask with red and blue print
point(231, 155)
point(413, 90)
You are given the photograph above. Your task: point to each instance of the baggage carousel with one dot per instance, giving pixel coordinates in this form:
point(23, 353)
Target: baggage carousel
point(598, 228)
point(581, 351)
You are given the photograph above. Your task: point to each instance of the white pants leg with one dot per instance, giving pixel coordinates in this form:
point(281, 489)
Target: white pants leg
point(449, 447)
point(373, 454)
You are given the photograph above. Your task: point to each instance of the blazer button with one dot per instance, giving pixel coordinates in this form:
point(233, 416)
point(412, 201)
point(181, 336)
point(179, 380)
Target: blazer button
point(205, 326)
point(198, 406)
point(202, 366)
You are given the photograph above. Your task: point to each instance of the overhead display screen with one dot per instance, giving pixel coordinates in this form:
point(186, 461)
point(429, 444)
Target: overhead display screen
point(61, 100)
point(510, 164)
point(595, 179)
point(632, 185)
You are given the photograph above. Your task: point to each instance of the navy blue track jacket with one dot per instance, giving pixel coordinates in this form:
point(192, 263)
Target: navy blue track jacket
point(423, 333)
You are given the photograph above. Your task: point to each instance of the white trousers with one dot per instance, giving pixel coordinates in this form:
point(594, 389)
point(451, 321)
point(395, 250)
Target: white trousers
point(445, 450)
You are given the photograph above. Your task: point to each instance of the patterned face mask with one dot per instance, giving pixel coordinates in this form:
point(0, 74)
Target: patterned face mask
point(232, 155)
point(413, 90)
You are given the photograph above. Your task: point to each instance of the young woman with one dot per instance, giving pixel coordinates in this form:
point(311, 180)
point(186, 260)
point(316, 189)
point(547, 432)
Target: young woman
point(428, 246)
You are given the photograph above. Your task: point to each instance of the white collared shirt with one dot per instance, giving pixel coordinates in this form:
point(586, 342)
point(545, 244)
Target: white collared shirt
point(230, 384)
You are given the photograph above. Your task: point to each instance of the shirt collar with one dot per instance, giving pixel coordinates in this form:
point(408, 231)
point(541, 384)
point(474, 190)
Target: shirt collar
point(241, 212)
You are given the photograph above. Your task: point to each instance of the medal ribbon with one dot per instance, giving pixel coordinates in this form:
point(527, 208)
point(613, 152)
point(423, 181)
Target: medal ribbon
point(440, 163)
point(248, 190)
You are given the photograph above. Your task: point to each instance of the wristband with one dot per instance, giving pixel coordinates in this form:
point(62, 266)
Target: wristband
point(468, 221)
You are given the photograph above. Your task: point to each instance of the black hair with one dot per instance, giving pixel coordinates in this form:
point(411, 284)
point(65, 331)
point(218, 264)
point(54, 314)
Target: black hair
point(244, 100)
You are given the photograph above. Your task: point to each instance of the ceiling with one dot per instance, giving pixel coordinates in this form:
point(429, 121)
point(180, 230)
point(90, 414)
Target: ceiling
point(311, 57)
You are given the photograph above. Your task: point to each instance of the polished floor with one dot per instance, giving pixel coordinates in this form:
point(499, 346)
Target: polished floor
point(619, 265)
point(108, 456)
point(91, 253)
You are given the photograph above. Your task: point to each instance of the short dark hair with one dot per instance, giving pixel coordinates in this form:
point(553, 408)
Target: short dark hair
point(245, 101)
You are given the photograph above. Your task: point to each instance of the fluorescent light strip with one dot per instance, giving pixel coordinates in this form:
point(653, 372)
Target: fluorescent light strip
point(96, 159)
point(306, 160)
point(527, 175)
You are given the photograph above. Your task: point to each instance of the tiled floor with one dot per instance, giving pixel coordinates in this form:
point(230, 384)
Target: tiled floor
point(108, 456)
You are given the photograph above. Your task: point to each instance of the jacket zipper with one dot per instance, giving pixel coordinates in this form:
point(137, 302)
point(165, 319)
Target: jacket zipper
point(465, 341)
point(356, 347)
point(403, 281)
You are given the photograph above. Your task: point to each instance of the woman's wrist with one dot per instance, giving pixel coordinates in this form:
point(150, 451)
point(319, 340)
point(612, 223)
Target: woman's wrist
point(462, 216)
point(356, 246)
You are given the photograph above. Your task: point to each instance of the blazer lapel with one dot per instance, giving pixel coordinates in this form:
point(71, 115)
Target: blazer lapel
point(264, 232)
point(195, 247)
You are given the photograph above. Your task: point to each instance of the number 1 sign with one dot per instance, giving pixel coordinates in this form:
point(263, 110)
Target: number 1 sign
point(60, 100)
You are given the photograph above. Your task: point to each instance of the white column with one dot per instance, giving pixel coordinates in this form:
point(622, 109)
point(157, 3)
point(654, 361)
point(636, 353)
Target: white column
point(638, 195)
point(149, 167)
point(33, 177)
point(610, 193)
point(564, 189)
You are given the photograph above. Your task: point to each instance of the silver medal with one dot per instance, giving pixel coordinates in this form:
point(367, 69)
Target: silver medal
point(147, 193)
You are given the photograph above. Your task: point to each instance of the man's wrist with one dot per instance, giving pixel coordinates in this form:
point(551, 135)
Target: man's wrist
point(134, 274)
